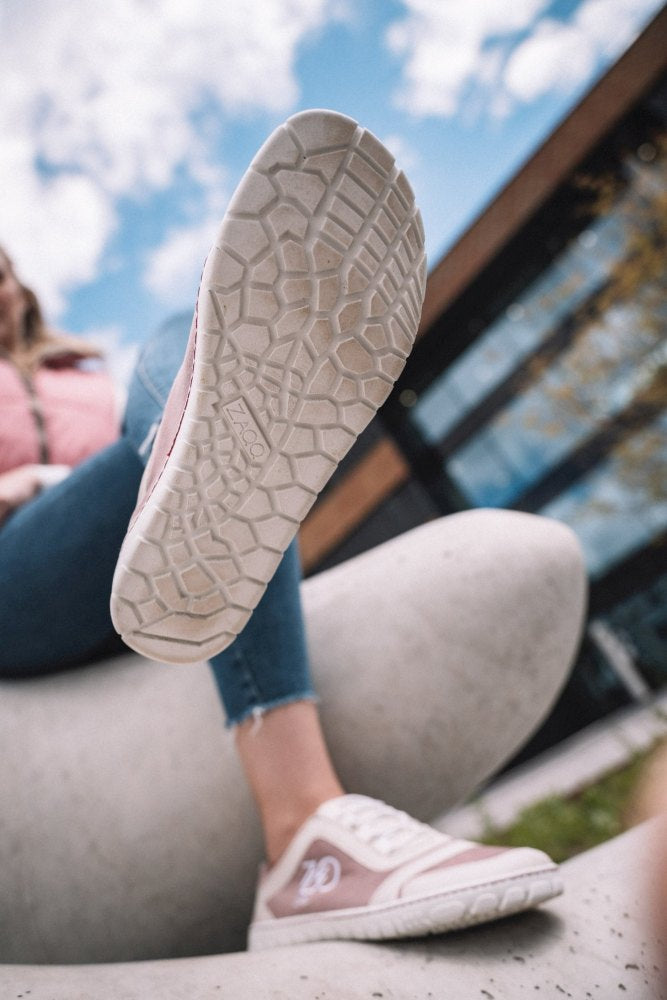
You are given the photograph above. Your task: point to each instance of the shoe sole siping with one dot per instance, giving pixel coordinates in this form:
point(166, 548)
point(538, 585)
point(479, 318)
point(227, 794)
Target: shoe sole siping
point(308, 307)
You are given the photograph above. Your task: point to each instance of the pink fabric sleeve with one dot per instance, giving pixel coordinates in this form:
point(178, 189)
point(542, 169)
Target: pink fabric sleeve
point(79, 412)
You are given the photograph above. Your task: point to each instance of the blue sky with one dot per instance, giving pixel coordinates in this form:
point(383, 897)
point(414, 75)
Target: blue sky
point(127, 123)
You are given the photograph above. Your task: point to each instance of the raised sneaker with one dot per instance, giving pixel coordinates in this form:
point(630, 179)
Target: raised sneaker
point(308, 307)
point(360, 869)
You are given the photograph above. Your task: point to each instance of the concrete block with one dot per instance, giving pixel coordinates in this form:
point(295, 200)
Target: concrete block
point(591, 943)
point(126, 829)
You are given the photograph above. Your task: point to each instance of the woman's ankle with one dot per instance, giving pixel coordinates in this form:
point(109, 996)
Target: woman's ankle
point(288, 768)
point(281, 824)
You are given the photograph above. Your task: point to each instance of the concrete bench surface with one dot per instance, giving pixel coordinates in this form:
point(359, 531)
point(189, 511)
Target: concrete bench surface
point(127, 833)
point(126, 828)
point(590, 943)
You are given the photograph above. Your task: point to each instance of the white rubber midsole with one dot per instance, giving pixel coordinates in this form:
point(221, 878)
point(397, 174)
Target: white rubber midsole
point(433, 914)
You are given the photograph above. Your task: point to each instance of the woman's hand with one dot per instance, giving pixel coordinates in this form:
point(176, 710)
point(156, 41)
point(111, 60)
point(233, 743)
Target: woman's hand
point(17, 486)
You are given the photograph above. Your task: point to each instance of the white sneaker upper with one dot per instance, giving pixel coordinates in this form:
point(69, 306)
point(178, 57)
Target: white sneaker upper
point(359, 863)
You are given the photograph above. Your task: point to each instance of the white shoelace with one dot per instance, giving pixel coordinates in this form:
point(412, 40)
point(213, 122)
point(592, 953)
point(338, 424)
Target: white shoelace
point(381, 826)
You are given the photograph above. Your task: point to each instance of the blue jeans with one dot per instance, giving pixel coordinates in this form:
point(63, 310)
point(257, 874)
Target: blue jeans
point(58, 553)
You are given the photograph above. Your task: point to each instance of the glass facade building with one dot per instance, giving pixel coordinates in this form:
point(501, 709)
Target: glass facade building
point(539, 381)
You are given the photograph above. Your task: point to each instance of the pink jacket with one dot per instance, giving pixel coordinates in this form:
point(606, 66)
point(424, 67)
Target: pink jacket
point(61, 414)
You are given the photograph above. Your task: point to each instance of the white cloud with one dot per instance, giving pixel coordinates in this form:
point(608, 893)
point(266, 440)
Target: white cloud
point(54, 229)
point(445, 46)
point(613, 24)
point(459, 54)
point(100, 99)
point(562, 56)
point(109, 87)
point(406, 156)
point(173, 270)
point(557, 57)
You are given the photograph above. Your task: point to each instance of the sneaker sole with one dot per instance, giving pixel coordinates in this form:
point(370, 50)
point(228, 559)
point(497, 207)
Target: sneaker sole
point(434, 914)
point(307, 310)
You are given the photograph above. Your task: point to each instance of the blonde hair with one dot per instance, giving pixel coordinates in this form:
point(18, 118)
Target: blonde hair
point(39, 343)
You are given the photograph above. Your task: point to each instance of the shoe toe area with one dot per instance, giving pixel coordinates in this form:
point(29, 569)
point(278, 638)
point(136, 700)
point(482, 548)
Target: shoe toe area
point(478, 866)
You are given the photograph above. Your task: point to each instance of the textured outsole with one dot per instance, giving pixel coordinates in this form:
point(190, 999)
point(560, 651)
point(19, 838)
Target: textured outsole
point(403, 918)
point(307, 310)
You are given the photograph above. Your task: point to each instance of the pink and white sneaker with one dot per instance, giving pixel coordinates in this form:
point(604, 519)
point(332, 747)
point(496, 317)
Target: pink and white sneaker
point(359, 869)
point(307, 310)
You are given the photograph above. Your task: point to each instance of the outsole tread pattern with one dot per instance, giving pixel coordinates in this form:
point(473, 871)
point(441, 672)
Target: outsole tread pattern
point(308, 307)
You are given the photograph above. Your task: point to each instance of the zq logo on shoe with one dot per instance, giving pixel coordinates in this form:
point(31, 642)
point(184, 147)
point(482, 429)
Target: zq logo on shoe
point(319, 876)
point(247, 430)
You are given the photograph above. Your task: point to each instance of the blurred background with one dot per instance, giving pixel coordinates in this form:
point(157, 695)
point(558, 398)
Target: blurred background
point(534, 134)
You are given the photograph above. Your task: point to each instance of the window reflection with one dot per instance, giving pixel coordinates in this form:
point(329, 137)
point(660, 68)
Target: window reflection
point(583, 439)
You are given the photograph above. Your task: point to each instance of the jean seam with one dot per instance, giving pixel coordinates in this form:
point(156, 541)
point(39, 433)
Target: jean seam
point(149, 385)
point(248, 678)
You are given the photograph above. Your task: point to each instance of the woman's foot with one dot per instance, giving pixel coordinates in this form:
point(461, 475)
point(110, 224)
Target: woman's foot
point(360, 869)
point(308, 307)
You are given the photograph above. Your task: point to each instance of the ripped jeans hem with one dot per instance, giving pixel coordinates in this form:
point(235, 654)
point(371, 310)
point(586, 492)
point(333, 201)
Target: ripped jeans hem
point(258, 711)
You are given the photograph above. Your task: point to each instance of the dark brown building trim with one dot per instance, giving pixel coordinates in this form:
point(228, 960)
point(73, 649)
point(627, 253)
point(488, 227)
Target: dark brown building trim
point(381, 471)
